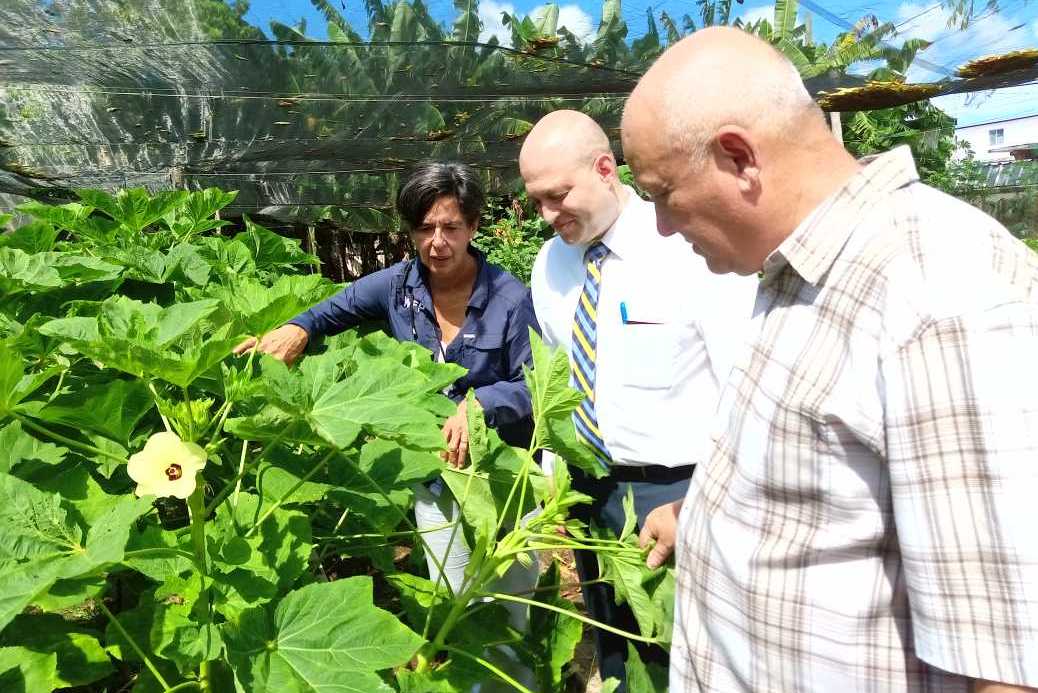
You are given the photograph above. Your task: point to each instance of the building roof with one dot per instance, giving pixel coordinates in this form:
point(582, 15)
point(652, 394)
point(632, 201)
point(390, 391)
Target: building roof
point(1011, 174)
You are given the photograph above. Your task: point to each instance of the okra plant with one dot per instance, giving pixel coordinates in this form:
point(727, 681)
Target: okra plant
point(176, 518)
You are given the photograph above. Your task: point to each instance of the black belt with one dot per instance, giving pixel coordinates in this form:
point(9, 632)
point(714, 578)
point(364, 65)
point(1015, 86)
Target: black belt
point(653, 473)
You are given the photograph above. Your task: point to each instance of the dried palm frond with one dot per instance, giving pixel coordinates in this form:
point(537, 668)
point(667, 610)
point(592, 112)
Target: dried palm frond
point(997, 64)
point(875, 95)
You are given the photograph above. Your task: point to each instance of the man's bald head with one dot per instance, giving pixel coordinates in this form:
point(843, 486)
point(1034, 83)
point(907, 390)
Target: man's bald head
point(724, 136)
point(570, 175)
point(723, 76)
point(570, 134)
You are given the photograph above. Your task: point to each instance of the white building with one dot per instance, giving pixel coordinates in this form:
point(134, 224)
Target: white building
point(1002, 140)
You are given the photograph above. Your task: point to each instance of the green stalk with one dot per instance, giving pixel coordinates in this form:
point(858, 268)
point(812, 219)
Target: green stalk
point(57, 388)
point(145, 553)
point(571, 614)
point(133, 644)
point(288, 494)
point(403, 516)
point(190, 416)
point(158, 407)
point(29, 423)
point(186, 686)
point(450, 543)
point(487, 665)
point(242, 471)
point(196, 505)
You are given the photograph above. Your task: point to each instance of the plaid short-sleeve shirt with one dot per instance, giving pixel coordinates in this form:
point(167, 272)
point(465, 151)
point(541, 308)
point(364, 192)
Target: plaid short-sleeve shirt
point(868, 518)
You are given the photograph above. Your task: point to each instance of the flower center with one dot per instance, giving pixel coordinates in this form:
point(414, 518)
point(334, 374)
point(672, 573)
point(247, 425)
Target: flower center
point(174, 472)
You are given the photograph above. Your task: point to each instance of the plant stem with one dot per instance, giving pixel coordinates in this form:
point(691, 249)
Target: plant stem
point(159, 551)
point(196, 504)
point(235, 484)
point(241, 473)
point(186, 686)
point(571, 614)
point(29, 423)
point(487, 665)
point(133, 644)
point(403, 516)
point(450, 543)
point(288, 494)
point(158, 407)
point(57, 388)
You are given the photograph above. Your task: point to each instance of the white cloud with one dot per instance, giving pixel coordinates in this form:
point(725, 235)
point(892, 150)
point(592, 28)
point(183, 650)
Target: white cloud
point(577, 21)
point(573, 17)
point(1035, 28)
point(490, 16)
point(989, 35)
point(752, 15)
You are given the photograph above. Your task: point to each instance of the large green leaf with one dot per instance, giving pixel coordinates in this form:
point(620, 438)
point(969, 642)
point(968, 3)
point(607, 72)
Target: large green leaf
point(113, 409)
point(378, 399)
point(253, 565)
point(553, 404)
point(785, 17)
point(326, 637)
point(68, 216)
point(80, 658)
point(485, 491)
point(548, 381)
point(40, 544)
point(642, 677)
point(196, 215)
point(630, 577)
point(258, 308)
point(146, 340)
point(25, 671)
point(15, 384)
point(377, 487)
point(183, 264)
point(17, 446)
point(271, 251)
point(553, 636)
point(35, 237)
point(21, 272)
point(135, 208)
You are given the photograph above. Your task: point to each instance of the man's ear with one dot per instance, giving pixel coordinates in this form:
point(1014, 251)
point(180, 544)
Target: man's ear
point(605, 165)
point(740, 156)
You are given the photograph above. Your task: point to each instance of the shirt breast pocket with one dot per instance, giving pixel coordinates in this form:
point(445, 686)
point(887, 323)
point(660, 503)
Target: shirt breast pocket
point(649, 352)
point(485, 358)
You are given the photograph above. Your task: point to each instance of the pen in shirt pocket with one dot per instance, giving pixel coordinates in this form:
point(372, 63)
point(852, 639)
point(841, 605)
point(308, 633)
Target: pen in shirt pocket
point(627, 321)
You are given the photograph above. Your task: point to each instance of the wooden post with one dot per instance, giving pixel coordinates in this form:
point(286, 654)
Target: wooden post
point(836, 126)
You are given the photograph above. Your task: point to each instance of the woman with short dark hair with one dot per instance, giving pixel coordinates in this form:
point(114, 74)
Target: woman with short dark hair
point(463, 309)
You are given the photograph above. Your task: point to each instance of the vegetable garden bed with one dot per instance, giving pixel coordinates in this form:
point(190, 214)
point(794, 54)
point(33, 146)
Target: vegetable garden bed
point(289, 561)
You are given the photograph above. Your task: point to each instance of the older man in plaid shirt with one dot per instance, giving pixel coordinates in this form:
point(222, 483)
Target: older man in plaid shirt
point(867, 518)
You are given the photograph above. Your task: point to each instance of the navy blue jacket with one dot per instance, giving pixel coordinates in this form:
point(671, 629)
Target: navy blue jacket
point(493, 343)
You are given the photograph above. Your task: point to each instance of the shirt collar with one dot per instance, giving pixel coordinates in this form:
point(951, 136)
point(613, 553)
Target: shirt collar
point(417, 275)
point(620, 243)
point(816, 242)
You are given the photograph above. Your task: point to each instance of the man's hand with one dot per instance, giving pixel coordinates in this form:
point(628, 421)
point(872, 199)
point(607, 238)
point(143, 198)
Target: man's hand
point(661, 526)
point(456, 433)
point(285, 343)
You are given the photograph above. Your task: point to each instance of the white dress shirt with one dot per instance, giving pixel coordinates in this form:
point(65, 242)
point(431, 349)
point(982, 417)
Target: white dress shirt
point(658, 375)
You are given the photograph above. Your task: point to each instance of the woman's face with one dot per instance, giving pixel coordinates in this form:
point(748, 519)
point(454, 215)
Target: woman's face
point(443, 237)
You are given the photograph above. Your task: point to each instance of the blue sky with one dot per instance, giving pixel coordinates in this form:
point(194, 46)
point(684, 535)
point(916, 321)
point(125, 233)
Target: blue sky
point(1013, 26)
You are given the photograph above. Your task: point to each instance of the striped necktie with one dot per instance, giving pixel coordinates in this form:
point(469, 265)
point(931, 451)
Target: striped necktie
point(583, 352)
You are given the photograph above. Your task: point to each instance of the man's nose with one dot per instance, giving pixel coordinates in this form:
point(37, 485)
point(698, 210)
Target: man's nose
point(549, 214)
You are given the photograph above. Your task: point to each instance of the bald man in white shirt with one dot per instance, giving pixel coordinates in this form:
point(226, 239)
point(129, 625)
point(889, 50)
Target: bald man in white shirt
point(651, 334)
